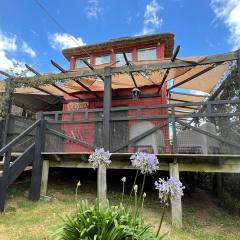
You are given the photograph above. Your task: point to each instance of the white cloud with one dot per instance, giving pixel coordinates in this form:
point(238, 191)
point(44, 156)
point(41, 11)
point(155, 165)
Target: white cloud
point(93, 9)
point(61, 41)
point(7, 43)
point(10, 45)
point(228, 11)
point(152, 21)
point(27, 49)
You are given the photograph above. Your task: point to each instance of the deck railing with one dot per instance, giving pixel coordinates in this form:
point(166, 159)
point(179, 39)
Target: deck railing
point(211, 127)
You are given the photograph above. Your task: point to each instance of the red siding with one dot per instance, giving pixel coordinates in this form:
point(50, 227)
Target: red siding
point(86, 131)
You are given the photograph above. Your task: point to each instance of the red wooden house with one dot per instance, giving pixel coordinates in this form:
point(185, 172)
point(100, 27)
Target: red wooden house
point(144, 49)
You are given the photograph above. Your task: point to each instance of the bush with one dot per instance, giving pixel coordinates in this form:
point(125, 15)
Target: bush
point(93, 221)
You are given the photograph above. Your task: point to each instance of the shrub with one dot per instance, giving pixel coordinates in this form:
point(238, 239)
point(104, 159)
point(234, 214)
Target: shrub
point(95, 222)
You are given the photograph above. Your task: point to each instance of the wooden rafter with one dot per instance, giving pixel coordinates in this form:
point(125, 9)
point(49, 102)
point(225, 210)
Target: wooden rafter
point(231, 56)
point(77, 81)
point(167, 71)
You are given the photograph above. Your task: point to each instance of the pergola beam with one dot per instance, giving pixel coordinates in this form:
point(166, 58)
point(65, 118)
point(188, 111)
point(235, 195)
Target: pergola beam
point(39, 88)
point(100, 75)
point(53, 84)
point(167, 72)
point(231, 56)
point(131, 74)
point(58, 66)
point(77, 81)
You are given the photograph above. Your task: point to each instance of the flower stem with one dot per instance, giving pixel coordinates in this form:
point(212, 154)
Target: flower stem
point(161, 220)
point(143, 184)
point(136, 210)
point(135, 180)
point(123, 192)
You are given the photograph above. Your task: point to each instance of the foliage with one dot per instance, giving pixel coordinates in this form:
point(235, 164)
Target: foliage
point(93, 221)
point(99, 222)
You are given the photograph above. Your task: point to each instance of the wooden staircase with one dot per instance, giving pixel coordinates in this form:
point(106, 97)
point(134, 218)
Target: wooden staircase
point(13, 164)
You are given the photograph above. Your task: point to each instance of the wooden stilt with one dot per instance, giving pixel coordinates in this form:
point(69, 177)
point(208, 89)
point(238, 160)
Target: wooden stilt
point(44, 181)
point(102, 172)
point(176, 206)
point(217, 184)
point(102, 185)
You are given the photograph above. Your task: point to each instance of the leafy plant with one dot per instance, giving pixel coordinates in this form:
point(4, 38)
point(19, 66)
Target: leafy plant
point(95, 222)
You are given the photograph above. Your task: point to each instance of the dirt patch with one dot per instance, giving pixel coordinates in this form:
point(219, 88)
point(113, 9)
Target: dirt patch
point(3, 234)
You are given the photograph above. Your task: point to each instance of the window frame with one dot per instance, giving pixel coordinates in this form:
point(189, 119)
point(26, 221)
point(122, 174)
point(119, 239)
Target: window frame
point(145, 49)
point(102, 55)
point(121, 52)
point(81, 58)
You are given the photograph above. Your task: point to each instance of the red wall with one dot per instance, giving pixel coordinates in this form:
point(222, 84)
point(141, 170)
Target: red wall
point(86, 131)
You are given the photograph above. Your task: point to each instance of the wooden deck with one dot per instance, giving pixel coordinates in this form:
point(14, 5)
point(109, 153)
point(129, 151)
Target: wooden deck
point(186, 162)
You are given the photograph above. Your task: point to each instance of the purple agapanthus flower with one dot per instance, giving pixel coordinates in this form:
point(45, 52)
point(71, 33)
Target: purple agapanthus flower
point(170, 189)
point(100, 157)
point(145, 162)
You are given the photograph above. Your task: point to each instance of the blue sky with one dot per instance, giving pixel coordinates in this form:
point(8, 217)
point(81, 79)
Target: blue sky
point(28, 35)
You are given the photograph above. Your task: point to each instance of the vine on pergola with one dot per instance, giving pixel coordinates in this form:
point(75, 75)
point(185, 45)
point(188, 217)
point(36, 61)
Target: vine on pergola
point(20, 81)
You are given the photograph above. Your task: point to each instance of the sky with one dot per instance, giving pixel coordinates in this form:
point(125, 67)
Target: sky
point(29, 35)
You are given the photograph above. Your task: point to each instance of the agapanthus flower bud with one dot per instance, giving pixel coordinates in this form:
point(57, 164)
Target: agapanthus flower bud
point(144, 195)
point(124, 179)
point(79, 183)
point(135, 188)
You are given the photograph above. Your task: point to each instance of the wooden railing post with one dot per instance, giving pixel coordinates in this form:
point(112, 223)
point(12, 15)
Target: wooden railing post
point(102, 172)
point(174, 132)
point(4, 179)
point(37, 161)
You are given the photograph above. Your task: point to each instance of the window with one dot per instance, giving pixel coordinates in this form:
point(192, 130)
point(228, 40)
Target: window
point(147, 54)
point(102, 59)
point(80, 64)
point(120, 58)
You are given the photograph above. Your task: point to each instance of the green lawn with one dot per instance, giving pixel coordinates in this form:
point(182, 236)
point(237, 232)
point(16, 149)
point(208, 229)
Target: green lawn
point(25, 220)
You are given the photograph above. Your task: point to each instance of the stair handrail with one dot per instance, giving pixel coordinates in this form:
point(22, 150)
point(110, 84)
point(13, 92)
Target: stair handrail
point(19, 137)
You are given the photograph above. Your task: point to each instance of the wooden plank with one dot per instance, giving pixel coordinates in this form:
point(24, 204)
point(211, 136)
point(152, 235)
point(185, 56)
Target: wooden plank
point(34, 194)
point(19, 137)
point(19, 165)
point(75, 140)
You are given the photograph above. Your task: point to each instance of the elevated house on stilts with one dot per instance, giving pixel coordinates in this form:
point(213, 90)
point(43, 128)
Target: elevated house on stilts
point(126, 95)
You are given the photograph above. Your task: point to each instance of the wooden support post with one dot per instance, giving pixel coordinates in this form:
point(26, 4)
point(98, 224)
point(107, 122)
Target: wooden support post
point(176, 206)
point(37, 161)
point(102, 172)
point(44, 181)
point(4, 180)
point(218, 184)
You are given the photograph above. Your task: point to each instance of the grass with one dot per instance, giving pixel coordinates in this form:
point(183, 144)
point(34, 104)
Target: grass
point(25, 220)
